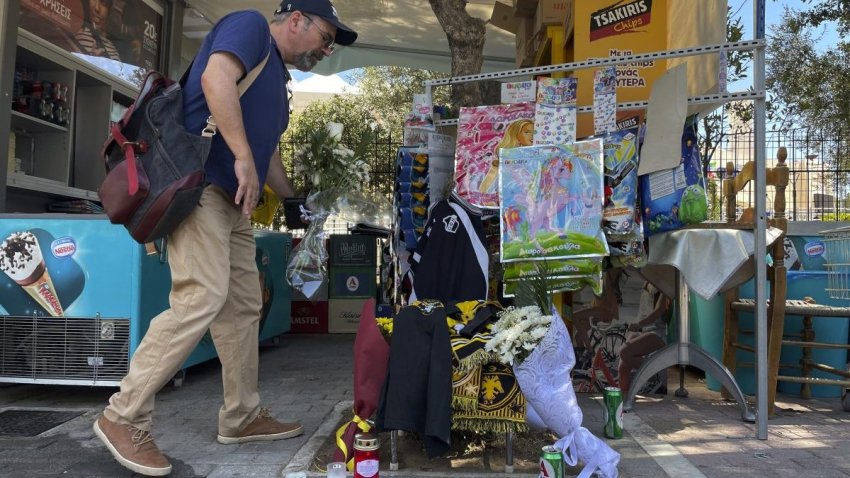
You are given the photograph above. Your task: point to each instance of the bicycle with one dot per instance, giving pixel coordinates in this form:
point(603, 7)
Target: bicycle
point(606, 338)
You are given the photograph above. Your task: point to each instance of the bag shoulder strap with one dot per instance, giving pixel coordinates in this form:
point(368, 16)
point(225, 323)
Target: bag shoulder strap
point(211, 129)
point(252, 75)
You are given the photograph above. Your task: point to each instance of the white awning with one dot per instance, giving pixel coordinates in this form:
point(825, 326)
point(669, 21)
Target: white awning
point(390, 32)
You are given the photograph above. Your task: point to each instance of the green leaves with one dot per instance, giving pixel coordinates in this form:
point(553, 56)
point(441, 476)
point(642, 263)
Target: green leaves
point(807, 79)
point(534, 289)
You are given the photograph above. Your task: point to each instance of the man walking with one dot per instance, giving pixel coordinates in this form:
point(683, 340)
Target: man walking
point(215, 283)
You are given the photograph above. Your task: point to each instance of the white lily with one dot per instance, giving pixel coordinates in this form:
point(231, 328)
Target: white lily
point(335, 130)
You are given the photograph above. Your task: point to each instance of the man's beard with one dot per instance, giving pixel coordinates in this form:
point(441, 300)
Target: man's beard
point(306, 61)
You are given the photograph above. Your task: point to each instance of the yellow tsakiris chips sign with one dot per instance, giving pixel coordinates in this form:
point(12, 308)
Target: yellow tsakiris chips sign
point(612, 28)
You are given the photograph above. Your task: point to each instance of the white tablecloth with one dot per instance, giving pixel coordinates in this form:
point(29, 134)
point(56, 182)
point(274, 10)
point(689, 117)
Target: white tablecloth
point(711, 260)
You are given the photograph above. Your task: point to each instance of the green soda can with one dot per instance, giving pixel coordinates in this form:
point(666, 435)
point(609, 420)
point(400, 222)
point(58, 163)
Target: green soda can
point(551, 463)
point(613, 398)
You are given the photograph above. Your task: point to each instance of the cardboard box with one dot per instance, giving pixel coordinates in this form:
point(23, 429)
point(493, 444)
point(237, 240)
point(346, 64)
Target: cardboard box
point(309, 317)
point(551, 12)
point(351, 282)
point(353, 250)
point(610, 28)
point(503, 17)
point(569, 20)
point(344, 315)
point(524, 32)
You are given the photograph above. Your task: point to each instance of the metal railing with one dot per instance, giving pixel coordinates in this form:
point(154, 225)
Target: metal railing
point(819, 172)
point(381, 158)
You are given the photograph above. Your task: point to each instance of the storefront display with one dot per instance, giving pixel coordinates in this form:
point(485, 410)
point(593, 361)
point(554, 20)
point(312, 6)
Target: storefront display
point(122, 37)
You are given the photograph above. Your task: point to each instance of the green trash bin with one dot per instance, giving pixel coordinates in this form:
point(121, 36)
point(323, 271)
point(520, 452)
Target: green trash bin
point(706, 319)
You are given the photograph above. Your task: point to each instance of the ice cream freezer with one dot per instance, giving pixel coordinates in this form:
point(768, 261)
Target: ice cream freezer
point(77, 295)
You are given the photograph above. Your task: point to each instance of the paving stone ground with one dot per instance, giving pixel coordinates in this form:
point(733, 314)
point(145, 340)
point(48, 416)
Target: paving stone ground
point(308, 378)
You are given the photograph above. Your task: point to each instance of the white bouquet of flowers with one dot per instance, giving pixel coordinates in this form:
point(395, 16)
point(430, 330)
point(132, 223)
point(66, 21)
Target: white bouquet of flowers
point(334, 174)
point(517, 332)
point(540, 350)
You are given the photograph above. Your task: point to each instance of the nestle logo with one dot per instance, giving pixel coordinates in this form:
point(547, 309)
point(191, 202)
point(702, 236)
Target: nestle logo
point(63, 247)
point(814, 249)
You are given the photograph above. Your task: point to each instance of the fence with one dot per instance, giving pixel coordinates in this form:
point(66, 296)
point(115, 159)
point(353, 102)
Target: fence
point(381, 158)
point(819, 172)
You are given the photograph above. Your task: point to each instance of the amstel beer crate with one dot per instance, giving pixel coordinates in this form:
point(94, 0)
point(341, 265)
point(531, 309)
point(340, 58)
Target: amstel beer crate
point(309, 317)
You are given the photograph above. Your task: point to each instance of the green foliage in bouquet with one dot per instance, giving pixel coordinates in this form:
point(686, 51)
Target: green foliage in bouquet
point(534, 289)
point(326, 163)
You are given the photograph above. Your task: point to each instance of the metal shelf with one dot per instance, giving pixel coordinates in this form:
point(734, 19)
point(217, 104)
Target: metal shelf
point(757, 96)
point(49, 186)
point(30, 124)
point(637, 105)
point(596, 63)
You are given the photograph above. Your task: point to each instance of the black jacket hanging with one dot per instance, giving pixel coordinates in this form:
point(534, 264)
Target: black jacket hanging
point(451, 262)
point(417, 395)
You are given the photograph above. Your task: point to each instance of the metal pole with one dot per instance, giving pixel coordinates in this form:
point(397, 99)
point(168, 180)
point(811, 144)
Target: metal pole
point(172, 35)
point(794, 196)
point(9, 11)
point(761, 242)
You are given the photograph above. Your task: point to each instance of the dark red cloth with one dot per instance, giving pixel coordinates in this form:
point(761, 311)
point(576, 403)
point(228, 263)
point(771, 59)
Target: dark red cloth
point(371, 354)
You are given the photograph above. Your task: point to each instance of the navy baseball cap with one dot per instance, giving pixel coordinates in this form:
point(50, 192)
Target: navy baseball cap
point(324, 9)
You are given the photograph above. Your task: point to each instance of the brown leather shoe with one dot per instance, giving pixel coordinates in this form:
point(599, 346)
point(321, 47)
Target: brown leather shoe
point(132, 447)
point(264, 428)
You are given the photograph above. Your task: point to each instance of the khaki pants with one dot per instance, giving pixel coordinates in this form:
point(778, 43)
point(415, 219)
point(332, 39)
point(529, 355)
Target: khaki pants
point(215, 286)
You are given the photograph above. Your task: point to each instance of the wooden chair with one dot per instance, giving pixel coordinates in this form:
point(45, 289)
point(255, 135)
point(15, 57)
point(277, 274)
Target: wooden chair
point(778, 305)
point(777, 177)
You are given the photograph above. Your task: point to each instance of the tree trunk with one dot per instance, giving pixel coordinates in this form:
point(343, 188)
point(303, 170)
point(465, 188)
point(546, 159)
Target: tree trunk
point(466, 35)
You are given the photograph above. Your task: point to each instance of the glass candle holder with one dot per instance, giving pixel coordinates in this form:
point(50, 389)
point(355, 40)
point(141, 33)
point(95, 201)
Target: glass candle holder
point(336, 470)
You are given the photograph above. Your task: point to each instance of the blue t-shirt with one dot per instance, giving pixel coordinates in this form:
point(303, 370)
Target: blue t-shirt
point(265, 106)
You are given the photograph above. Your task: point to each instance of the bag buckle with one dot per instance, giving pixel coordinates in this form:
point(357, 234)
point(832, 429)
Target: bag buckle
point(140, 147)
point(210, 129)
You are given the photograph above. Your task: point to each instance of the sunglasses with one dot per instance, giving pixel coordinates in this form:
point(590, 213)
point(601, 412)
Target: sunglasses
point(327, 37)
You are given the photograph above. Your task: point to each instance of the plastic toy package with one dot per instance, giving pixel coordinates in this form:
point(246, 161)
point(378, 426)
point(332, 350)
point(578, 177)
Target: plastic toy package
point(554, 124)
point(561, 268)
point(552, 202)
point(555, 112)
point(307, 267)
point(482, 132)
point(557, 91)
point(621, 179)
point(673, 198)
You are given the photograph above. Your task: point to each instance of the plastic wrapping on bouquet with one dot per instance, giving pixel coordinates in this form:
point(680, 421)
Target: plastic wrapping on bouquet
point(544, 378)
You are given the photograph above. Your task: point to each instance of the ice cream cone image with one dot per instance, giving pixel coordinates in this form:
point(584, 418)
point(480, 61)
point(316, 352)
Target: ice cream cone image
point(22, 261)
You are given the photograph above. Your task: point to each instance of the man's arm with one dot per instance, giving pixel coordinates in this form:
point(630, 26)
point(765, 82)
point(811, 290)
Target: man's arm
point(277, 178)
point(219, 83)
